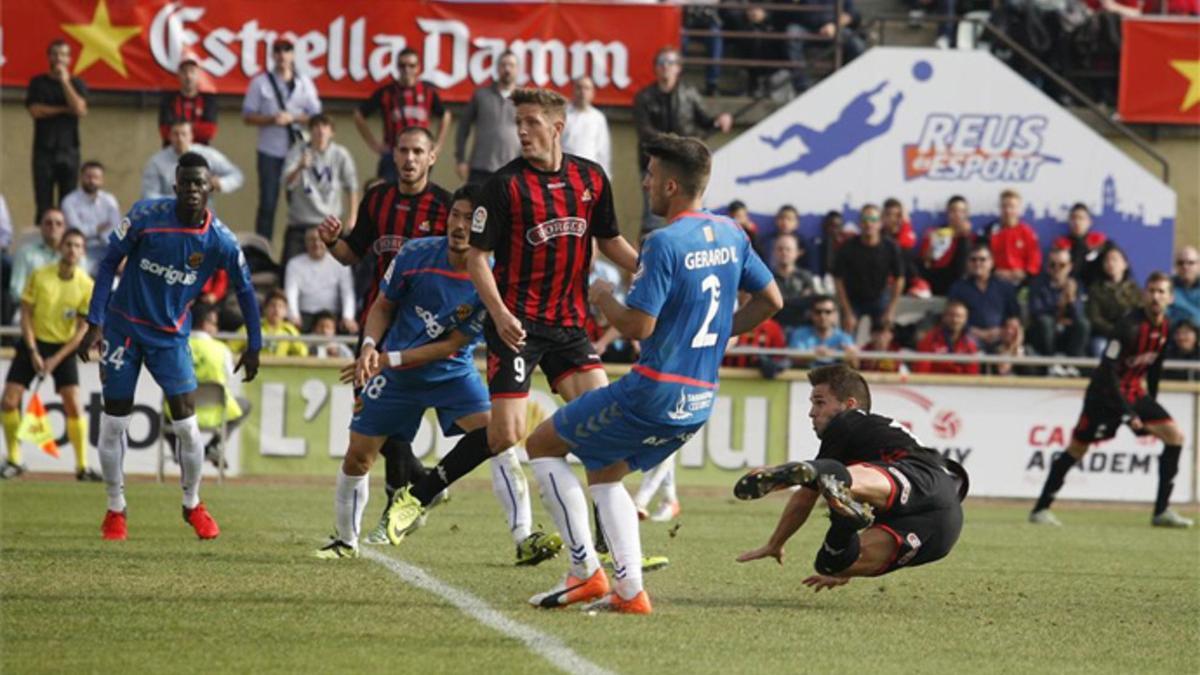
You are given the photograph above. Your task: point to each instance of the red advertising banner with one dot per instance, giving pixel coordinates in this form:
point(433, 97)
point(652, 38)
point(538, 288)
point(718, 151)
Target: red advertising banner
point(348, 47)
point(1160, 71)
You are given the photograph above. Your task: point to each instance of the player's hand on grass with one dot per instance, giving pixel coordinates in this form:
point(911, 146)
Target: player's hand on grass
point(248, 361)
point(90, 339)
point(330, 229)
point(819, 582)
point(367, 365)
point(511, 331)
point(768, 551)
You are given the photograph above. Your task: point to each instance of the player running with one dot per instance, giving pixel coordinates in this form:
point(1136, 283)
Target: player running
point(170, 248)
point(1116, 395)
point(681, 306)
point(428, 317)
point(892, 501)
point(539, 215)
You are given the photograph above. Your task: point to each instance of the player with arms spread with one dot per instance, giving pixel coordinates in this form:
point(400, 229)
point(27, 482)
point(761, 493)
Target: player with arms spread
point(1116, 395)
point(681, 305)
point(892, 502)
point(171, 247)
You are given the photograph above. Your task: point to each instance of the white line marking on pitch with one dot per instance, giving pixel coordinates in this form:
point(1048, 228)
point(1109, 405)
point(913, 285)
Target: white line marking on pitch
point(546, 646)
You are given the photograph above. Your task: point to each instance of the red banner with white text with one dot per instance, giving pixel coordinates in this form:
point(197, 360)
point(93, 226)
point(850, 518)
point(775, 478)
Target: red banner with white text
point(349, 47)
point(1160, 71)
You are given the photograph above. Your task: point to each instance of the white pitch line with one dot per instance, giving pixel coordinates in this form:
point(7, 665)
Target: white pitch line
point(546, 646)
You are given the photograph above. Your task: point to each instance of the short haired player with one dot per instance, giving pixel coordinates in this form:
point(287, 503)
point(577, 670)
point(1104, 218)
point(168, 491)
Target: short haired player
point(170, 248)
point(893, 502)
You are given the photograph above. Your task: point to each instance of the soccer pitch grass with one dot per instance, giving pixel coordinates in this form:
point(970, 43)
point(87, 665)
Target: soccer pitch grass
point(1106, 593)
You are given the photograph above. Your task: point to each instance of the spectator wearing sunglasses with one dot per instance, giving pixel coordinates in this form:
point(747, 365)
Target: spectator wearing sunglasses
point(823, 337)
point(1057, 324)
point(989, 299)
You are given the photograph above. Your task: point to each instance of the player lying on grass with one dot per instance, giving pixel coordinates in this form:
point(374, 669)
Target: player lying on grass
point(892, 502)
point(432, 318)
point(170, 248)
point(1116, 395)
point(681, 306)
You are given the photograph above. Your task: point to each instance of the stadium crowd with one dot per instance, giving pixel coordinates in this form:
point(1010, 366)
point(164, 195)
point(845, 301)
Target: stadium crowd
point(950, 290)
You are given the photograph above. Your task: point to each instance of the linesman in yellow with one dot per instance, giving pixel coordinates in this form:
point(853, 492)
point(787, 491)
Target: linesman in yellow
point(213, 361)
point(54, 307)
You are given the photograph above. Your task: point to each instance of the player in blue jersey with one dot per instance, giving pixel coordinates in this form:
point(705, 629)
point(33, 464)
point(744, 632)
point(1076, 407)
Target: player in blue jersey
point(170, 248)
point(681, 305)
point(432, 318)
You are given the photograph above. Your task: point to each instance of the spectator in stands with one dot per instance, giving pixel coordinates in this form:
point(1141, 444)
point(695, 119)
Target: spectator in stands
point(213, 362)
point(949, 337)
point(37, 254)
point(325, 325)
point(1186, 281)
point(670, 105)
point(766, 335)
point(757, 21)
point(740, 214)
point(158, 176)
point(1087, 248)
point(795, 283)
point(787, 221)
point(823, 337)
point(898, 228)
point(1183, 347)
point(405, 102)
point(188, 104)
point(1012, 343)
point(1015, 246)
point(491, 113)
point(278, 101)
point(944, 250)
point(92, 210)
point(826, 244)
point(55, 101)
point(819, 20)
point(989, 299)
point(883, 339)
point(1109, 300)
point(316, 174)
point(276, 329)
point(868, 274)
point(1057, 324)
point(698, 17)
point(316, 282)
point(586, 132)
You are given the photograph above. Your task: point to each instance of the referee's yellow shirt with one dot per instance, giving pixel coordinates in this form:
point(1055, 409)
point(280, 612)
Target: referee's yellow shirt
point(57, 302)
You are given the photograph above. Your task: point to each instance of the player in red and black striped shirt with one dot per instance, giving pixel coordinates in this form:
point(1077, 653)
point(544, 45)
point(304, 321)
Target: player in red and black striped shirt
point(189, 104)
point(406, 102)
point(389, 215)
point(539, 215)
point(1116, 395)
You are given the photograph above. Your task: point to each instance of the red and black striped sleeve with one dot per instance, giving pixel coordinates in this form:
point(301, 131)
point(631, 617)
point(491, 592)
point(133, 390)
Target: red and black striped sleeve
point(366, 229)
point(604, 215)
point(491, 219)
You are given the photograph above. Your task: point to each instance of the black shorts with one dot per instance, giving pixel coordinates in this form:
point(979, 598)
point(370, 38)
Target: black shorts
point(560, 352)
point(21, 372)
point(923, 513)
point(1102, 416)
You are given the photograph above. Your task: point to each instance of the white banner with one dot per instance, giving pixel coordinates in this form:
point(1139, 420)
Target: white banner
point(1006, 436)
point(922, 125)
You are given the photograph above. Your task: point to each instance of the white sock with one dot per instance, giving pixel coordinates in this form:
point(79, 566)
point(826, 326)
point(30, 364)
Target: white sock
point(349, 502)
point(651, 481)
point(191, 459)
point(667, 488)
point(512, 491)
point(564, 498)
point(621, 529)
point(111, 447)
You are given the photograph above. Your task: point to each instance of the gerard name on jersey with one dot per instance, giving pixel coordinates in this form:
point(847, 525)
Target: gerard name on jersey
point(713, 257)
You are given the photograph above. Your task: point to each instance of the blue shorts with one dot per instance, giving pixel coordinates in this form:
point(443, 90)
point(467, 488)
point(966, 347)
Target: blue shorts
point(122, 358)
point(393, 405)
point(601, 432)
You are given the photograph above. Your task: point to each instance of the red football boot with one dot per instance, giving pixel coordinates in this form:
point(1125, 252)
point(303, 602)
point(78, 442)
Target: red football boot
point(201, 521)
point(113, 528)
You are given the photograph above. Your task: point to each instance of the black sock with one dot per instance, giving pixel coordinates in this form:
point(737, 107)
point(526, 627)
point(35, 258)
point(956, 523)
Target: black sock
point(601, 543)
point(1054, 482)
point(395, 468)
point(838, 551)
point(832, 467)
point(1168, 466)
point(471, 451)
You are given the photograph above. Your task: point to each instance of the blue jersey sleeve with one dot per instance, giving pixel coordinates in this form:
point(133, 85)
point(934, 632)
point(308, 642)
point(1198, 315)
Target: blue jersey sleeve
point(121, 243)
point(755, 273)
point(395, 281)
point(234, 262)
point(652, 281)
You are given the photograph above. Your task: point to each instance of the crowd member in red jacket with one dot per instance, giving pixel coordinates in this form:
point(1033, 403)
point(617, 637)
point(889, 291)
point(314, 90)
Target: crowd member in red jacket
point(949, 337)
point(1087, 247)
point(1014, 244)
point(190, 104)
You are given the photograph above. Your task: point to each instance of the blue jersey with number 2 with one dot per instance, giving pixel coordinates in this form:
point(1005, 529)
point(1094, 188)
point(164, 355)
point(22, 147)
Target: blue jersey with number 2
point(688, 277)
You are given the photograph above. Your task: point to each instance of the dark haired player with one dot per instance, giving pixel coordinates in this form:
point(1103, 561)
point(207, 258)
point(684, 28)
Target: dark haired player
point(1117, 395)
point(892, 501)
point(538, 215)
point(170, 247)
point(391, 213)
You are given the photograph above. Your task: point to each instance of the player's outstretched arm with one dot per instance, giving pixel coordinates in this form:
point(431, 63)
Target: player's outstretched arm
point(632, 323)
point(794, 515)
point(507, 326)
point(763, 305)
point(119, 244)
point(330, 230)
point(620, 252)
